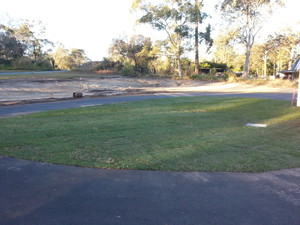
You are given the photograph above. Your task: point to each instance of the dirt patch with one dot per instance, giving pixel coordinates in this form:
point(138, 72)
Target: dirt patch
point(23, 91)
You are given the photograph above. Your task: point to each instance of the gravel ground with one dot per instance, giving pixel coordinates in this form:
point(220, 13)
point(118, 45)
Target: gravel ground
point(14, 91)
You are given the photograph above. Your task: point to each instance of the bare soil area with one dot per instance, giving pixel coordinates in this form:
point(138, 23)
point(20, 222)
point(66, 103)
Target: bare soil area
point(22, 91)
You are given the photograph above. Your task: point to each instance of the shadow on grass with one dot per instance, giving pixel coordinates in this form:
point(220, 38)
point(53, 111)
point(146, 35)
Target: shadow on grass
point(180, 134)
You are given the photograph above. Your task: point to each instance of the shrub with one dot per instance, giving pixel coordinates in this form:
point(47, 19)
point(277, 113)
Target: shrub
point(209, 64)
point(107, 64)
point(5, 64)
point(208, 77)
point(25, 63)
point(128, 70)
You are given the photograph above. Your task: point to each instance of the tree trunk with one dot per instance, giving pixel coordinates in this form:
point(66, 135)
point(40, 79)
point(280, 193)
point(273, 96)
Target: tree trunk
point(178, 55)
point(196, 50)
point(247, 62)
point(52, 61)
point(179, 65)
point(197, 39)
point(265, 65)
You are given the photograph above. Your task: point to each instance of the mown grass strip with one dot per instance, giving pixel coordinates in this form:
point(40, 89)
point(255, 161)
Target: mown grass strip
point(178, 134)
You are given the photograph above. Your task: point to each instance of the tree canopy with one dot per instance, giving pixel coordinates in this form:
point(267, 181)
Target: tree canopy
point(25, 47)
point(176, 18)
point(247, 16)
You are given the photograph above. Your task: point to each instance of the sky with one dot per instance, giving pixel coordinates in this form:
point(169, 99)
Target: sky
point(93, 24)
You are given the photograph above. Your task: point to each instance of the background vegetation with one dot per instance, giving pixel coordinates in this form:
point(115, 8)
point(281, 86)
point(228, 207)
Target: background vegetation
point(183, 24)
point(23, 47)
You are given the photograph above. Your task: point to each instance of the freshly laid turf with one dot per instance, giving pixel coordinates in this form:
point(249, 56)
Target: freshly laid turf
point(180, 134)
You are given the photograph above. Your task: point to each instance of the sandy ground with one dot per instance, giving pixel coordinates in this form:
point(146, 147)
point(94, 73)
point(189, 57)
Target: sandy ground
point(14, 91)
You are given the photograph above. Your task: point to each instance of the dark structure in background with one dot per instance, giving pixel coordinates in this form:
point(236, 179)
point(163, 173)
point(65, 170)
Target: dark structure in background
point(292, 73)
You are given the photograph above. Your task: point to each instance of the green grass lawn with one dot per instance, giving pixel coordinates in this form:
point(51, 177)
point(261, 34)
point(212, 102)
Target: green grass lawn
point(179, 134)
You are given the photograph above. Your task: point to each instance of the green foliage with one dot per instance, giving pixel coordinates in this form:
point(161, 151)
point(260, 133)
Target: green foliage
point(128, 70)
point(10, 47)
point(224, 48)
point(76, 58)
point(174, 17)
point(5, 67)
point(209, 64)
point(205, 65)
point(68, 58)
point(247, 17)
point(25, 63)
point(5, 64)
point(138, 51)
point(206, 37)
point(107, 64)
point(25, 46)
point(208, 77)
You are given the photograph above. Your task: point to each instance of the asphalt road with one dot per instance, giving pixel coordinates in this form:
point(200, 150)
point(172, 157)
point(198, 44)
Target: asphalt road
point(37, 193)
point(15, 110)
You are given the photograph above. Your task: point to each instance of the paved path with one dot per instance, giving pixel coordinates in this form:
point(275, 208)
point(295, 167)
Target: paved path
point(10, 111)
point(37, 193)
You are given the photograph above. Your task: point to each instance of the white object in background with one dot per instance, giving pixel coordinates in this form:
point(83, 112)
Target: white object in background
point(256, 125)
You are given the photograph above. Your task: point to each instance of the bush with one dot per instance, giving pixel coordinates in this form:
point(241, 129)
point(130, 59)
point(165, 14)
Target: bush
point(107, 64)
point(209, 64)
point(208, 77)
point(128, 70)
point(25, 63)
point(5, 64)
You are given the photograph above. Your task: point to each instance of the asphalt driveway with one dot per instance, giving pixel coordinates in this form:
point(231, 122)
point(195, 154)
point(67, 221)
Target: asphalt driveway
point(39, 193)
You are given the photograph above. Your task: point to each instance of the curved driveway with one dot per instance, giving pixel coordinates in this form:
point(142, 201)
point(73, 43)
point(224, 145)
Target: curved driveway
point(40, 193)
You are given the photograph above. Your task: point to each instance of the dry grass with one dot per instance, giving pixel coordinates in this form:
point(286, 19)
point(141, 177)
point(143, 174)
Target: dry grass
point(266, 82)
point(58, 75)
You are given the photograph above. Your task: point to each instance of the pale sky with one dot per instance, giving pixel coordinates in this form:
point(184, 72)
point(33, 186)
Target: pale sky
point(93, 24)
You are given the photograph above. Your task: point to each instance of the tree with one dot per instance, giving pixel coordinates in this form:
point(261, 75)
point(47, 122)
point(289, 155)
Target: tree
point(63, 58)
point(127, 50)
point(60, 58)
point(76, 58)
point(33, 42)
point(197, 9)
point(280, 50)
point(275, 54)
point(259, 59)
point(10, 47)
point(138, 52)
point(197, 18)
point(174, 17)
point(248, 17)
point(180, 20)
point(224, 50)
